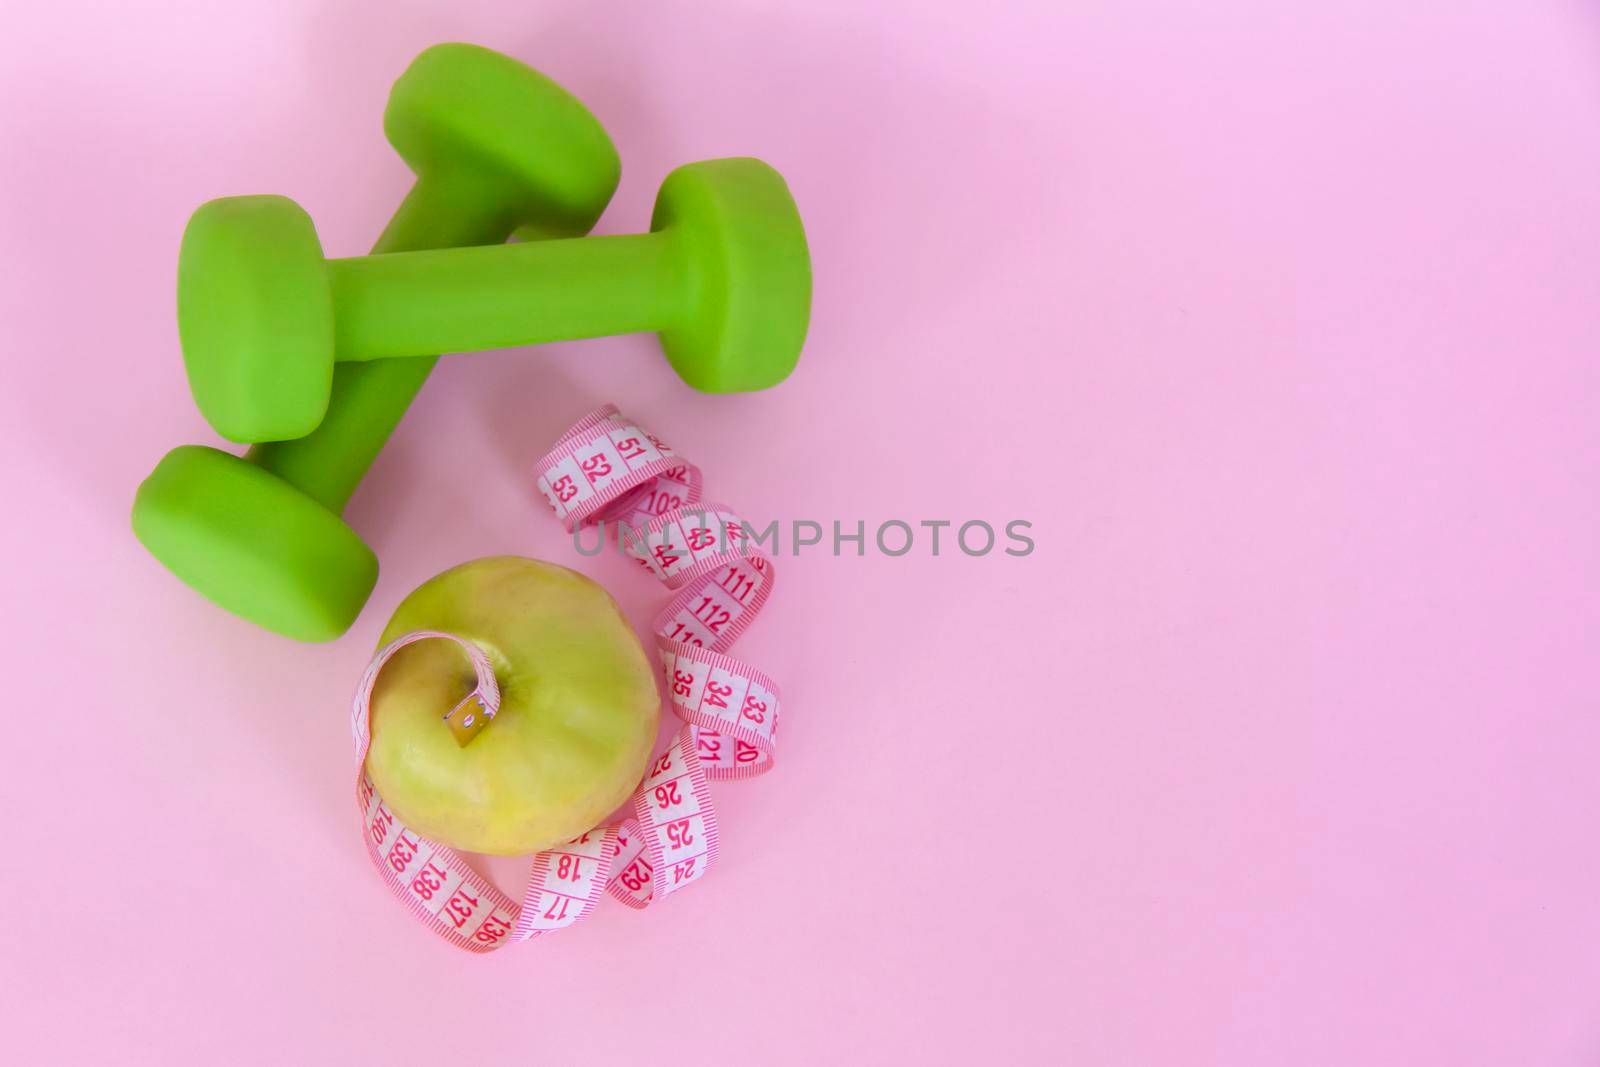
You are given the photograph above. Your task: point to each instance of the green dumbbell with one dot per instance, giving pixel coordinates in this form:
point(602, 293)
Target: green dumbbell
point(495, 146)
point(723, 277)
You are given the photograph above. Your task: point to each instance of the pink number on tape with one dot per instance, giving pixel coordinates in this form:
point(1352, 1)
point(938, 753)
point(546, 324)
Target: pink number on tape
point(607, 469)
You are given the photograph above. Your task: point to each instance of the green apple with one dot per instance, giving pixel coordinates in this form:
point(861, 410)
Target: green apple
point(578, 711)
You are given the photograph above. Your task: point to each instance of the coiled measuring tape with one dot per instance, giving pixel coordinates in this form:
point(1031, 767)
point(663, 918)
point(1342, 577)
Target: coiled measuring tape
point(607, 470)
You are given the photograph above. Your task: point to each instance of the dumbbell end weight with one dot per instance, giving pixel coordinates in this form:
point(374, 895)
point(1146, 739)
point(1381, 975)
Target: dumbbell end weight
point(254, 545)
point(747, 273)
point(250, 282)
point(490, 123)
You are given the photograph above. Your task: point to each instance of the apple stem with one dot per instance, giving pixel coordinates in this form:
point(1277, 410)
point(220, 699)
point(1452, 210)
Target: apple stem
point(478, 708)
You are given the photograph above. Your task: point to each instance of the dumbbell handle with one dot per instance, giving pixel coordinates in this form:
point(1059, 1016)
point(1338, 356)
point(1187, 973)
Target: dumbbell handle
point(369, 399)
point(469, 299)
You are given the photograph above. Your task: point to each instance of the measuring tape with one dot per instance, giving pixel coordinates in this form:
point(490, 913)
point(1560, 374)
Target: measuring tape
point(607, 470)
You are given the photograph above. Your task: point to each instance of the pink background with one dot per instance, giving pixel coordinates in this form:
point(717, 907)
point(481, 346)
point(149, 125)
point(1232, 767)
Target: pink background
point(1278, 321)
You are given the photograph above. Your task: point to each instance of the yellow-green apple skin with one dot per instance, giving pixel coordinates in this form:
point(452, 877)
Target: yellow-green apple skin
point(578, 711)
